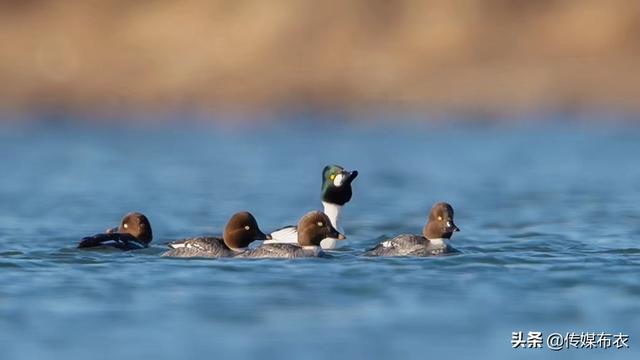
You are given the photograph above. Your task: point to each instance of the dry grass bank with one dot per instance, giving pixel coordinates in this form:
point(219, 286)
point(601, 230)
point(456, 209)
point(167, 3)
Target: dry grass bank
point(467, 55)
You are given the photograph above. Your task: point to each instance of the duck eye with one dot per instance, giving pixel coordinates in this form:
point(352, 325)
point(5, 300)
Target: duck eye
point(320, 224)
point(440, 218)
point(247, 227)
point(126, 225)
point(333, 176)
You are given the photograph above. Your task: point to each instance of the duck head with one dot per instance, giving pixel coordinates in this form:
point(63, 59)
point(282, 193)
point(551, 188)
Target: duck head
point(440, 224)
point(314, 227)
point(336, 184)
point(241, 230)
point(136, 225)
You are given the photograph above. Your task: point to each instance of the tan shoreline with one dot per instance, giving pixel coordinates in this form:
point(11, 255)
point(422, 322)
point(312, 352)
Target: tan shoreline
point(497, 57)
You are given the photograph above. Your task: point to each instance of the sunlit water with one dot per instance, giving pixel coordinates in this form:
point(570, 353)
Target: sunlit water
point(550, 241)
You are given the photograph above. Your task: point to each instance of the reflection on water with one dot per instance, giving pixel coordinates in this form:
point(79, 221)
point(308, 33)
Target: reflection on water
point(550, 218)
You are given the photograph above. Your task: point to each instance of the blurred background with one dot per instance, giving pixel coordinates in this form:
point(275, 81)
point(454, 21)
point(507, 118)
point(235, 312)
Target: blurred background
point(495, 57)
point(521, 114)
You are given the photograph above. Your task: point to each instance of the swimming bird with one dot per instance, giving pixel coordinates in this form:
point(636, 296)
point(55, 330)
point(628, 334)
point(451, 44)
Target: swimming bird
point(336, 192)
point(312, 229)
point(433, 241)
point(134, 232)
point(241, 230)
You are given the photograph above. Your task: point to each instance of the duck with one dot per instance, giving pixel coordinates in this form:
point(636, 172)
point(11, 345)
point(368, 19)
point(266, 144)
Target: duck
point(312, 229)
point(433, 241)
point(241, 230)
point(133, 233)
point(336, 191)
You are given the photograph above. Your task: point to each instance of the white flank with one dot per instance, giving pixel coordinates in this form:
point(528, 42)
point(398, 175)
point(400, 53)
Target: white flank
point(288, 235)
point(329, 243)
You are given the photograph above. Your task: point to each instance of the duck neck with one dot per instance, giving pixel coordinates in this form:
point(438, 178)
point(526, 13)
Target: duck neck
point(438, 242)
point(334, 212)
point(313, 249)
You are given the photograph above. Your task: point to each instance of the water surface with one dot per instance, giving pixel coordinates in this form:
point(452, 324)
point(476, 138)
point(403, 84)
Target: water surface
point(550, 219)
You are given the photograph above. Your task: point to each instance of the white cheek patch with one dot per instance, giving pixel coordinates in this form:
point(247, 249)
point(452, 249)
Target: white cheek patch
point(448, 223)
point(387, 244)
point(337, 181)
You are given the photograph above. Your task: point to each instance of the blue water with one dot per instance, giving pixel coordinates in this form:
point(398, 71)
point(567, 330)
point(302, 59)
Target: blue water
point(550, 241)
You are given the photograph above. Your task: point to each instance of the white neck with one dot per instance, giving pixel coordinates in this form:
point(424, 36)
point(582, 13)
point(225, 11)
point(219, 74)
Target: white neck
point(438, 242)
point(239, 249)
point(334, 212)
point(315, 249)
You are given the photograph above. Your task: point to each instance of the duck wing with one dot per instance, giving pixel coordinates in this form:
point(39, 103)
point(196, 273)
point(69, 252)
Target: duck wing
point(286, 251)
point(201, 246)
point(120, 241)
point(398, 246)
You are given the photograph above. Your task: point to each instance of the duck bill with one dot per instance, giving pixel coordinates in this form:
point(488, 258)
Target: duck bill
point(454, 228)
point(350, 176)
point(262, 236)
point(337, 235)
